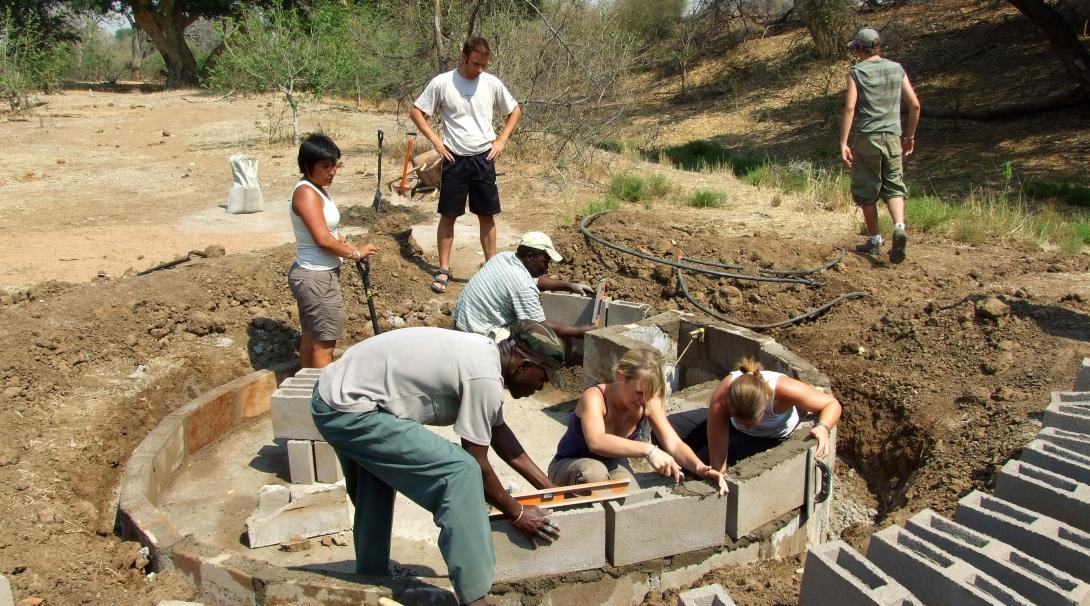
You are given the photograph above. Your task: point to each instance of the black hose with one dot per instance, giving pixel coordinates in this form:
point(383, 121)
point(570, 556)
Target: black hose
point(583, 228)
point(798, 318)
point(586, 232)
point(774, 272)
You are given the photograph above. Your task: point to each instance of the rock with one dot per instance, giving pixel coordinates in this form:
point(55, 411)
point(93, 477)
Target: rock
point(202, 323)
point(327, 541)
point(215, 250)
point(340, 539)
point(31, 601)
point(293, 545)
point(992, 309)
point(1004, 394)
point(13, 391)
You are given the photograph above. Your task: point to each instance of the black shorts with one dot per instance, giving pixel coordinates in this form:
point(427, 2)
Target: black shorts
point(473, 177)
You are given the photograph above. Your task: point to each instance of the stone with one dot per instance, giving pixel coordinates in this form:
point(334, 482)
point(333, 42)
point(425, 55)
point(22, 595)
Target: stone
point(708, 595)
point(311, 511)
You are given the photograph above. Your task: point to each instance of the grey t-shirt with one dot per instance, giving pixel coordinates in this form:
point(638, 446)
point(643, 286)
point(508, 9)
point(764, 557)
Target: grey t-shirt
point(432, 376)
point(878, 108)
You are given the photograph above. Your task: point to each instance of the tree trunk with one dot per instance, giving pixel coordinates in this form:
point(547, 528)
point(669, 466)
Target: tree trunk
point(830, 23)
point(165, 26)
point(1063, 40)
point(137, 52)
point(439, 52)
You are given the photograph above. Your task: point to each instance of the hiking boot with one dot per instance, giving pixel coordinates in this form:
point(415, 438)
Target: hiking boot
point(900, 240)
point(870, 247)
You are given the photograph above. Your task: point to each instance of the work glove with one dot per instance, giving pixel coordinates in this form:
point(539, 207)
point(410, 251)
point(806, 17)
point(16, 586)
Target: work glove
point(581, 289)
point(663, 463)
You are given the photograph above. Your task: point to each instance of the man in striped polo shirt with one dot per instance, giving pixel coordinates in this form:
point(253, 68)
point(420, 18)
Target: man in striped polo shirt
point(508, 289)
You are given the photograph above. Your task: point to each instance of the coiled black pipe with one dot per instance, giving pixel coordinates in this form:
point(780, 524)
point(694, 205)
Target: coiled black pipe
point(584, 229)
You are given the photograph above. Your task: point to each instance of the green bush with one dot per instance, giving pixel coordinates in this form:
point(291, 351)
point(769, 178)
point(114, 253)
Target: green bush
point(707, 198)
point(628, 187)
point(28, 62)
point(704, 155)
point(597, 206)
point(1071, 193)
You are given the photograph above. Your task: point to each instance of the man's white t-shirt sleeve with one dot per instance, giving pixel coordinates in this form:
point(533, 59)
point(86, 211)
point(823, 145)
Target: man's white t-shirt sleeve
point(428, 101)
point(480, 411)
point(504, 101)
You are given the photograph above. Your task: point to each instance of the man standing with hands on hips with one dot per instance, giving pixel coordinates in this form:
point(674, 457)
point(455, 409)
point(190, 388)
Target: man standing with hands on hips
point(466, 99)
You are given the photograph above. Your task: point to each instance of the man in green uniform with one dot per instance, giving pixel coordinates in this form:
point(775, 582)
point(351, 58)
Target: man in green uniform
point(872, 119)
point(371, 405)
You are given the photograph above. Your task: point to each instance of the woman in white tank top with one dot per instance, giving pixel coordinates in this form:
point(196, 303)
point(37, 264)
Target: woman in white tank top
point(753, 410)
point(314, 278)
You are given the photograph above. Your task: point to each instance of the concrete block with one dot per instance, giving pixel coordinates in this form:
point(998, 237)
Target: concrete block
point(1073, 441)
point(300, 511)
point(309, 372)
point(766, 486)
point(1046, 492)
point(1057, 459)
point(252, 393)
point(301, 461)
point(169, 436)
point(327, 468)
point(6, 597)
point(660, 522)
point(837, 574)
point(708, 595)
point(1069, 410)
point(224, 584)
point(582, 546)
point(933, 576)
point(1082, 377)
point(207, 417)
point(1031, 578)
point(291, 418)
point(567, 308)
point(1061, 545)
point(304, 382)
point(603, 348)
point(571, 309)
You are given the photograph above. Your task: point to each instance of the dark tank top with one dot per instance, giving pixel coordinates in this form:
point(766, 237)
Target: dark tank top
point(573, 445)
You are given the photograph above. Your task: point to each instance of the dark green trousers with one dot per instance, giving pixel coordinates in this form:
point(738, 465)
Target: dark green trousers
point(382, 455)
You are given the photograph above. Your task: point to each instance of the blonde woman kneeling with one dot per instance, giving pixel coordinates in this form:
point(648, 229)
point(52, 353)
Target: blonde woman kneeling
point(751, 411)
point(602, 432)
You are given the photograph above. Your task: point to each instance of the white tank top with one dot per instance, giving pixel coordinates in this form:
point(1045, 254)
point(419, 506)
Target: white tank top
point(309, 255)
point(771, 425)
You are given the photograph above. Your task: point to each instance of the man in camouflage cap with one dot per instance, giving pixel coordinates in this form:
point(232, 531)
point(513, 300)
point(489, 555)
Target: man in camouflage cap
point(372, 404)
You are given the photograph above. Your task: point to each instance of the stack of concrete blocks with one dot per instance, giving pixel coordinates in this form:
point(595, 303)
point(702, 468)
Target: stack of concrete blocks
point(837, 574)
point(1027, 544)
point(708, 595)
point(310, 459)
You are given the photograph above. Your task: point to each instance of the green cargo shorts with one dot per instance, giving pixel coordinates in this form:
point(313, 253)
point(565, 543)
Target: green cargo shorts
point(876, 168)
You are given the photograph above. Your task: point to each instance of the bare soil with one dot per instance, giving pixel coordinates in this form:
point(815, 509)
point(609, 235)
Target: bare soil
point(943, 368)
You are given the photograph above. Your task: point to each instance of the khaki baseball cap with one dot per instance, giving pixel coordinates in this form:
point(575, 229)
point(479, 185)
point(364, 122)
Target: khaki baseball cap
point(864, 38)
point(540, 241)
point(539, 344)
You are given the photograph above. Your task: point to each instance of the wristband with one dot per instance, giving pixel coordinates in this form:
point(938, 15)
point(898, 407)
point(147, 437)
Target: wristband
point(519, 517)
point(650, 452)
point(820, 424)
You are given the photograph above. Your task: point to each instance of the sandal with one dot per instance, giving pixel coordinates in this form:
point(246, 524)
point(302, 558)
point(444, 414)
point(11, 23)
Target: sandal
point(439, 282)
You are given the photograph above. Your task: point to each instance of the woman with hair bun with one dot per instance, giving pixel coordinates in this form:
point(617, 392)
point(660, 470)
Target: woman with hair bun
point(751, 411)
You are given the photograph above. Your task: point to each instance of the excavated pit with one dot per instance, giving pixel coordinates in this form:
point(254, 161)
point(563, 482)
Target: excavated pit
point(193, 482)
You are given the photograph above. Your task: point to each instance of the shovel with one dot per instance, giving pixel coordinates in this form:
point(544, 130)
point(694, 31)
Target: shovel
point(378, 185)
point(364, 267)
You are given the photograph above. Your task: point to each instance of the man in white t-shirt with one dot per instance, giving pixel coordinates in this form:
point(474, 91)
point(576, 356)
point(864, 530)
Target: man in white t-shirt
point(466, 99)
